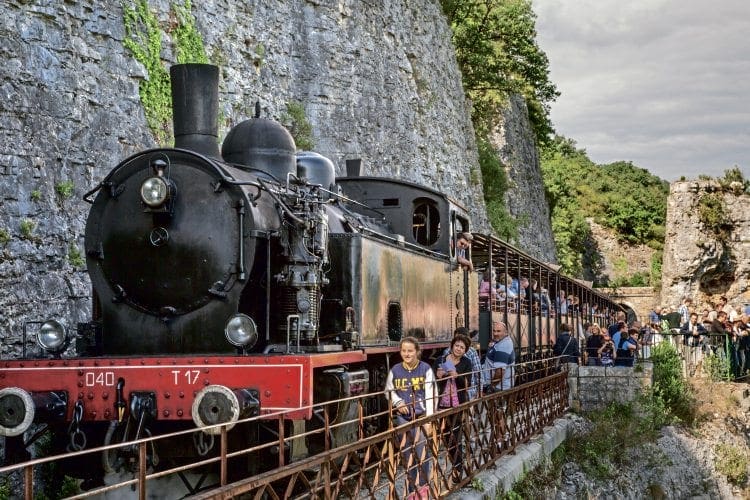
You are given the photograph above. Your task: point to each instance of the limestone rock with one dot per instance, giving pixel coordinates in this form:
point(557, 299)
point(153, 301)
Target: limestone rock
point(697, 262)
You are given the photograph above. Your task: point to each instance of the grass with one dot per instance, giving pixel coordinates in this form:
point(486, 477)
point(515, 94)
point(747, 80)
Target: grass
point(65, 189)
point(536, 482)
point(27, 227)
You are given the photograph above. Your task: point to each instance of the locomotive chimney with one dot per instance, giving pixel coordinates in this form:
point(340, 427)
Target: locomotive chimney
point(354, 167)
point(195, 107)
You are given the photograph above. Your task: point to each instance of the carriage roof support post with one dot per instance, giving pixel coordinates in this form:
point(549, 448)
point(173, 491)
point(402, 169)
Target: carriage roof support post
point(518, 309)
point(466, 299)
point(492, 284)
point(557, 305)
point(549, 308)
point(530, 312)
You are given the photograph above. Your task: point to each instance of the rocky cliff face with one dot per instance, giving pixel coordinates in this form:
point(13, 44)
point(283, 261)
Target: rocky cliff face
point(525, 197)
point(699, 261)
point(615, 259)
point(377, 80)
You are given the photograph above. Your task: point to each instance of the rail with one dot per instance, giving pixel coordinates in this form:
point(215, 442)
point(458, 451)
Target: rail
point(373, 466)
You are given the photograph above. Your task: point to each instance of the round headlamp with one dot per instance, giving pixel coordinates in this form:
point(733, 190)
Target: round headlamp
point(154, 191)
point(52, 337)
point(241, 331)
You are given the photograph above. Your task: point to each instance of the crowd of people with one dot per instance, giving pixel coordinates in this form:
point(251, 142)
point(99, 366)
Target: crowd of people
point(415, 388)
point(719, 329)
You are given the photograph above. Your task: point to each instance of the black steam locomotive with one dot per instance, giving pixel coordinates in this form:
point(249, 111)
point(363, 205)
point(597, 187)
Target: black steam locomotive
point(241, 282)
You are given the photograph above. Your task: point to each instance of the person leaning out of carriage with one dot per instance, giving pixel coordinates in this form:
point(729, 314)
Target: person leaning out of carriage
point(463, 243)
point(566, 346)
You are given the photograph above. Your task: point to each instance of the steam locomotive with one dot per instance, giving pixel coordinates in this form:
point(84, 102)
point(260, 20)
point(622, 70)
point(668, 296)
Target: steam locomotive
point(250, 281)
point(239, 282)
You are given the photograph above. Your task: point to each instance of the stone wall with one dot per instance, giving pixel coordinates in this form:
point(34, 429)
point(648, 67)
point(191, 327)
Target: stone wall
point(593, 387)
point(697, 263)
point(641, 299)
point(377, 80)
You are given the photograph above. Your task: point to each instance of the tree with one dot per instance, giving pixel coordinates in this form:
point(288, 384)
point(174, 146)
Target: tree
point(625, 198)
point(496, 49)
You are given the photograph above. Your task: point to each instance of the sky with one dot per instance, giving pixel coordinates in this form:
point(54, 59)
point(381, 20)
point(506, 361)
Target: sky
point(662, 83)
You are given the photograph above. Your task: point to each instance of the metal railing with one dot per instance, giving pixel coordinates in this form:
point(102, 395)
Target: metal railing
point(694, 350)
point(374, 466)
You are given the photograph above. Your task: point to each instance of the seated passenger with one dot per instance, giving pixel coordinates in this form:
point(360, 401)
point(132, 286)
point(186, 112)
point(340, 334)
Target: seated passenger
point(505, 285)
point(519, 287)
point(487, 293)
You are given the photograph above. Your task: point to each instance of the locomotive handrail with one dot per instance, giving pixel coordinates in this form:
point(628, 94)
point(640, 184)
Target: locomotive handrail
point(403, 243)
point(87, 196)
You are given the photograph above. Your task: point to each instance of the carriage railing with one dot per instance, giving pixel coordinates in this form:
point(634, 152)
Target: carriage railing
point(373, 466)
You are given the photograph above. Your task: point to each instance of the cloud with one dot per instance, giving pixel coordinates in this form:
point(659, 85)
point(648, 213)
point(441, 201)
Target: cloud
point(662, 83)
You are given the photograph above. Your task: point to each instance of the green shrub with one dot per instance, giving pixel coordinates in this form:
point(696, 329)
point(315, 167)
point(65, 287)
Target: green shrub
point(27, 227)
point(5, 489)
point(75, 257)
point(670, 387)
point(55, 484)
point(477, 484)
point(35, 195)
point(732, 462)
point(4, 236)
point(734, 175)
point(712, 213)
point(65, 189)
point(717, 367)
point(495, 186)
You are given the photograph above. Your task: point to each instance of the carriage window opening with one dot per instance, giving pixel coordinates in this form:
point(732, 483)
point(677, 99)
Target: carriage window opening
point(395, 323)
point(390, 202)
point(425, 222)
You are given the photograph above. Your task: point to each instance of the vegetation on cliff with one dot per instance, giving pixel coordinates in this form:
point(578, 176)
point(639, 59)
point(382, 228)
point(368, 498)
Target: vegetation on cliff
point(497, 52)
point(620, 196)
point(143, 37)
